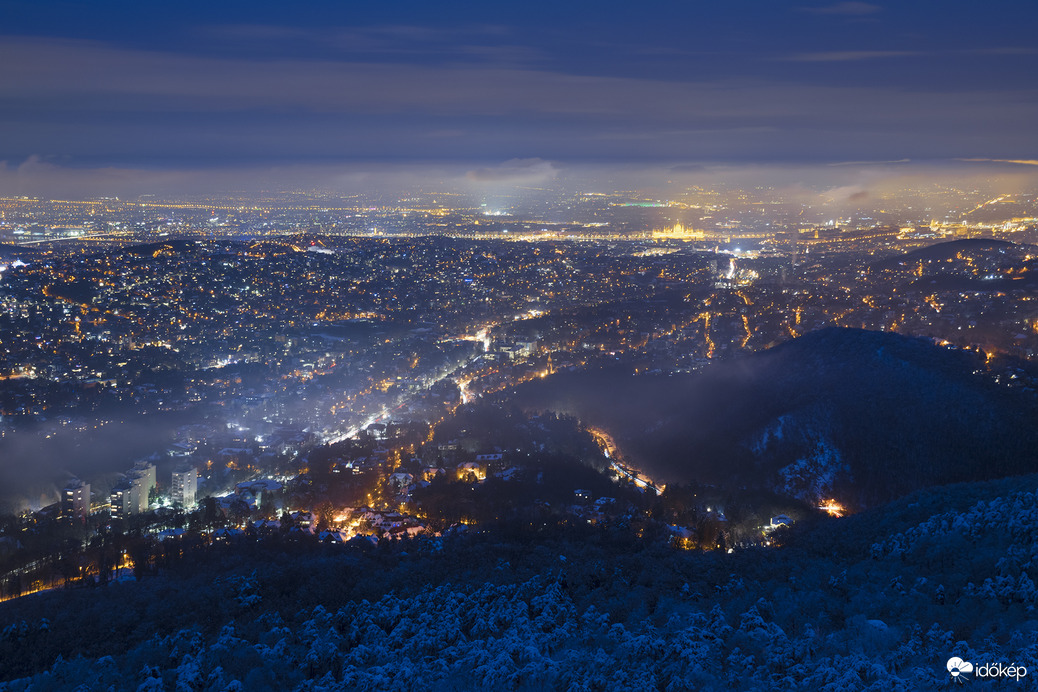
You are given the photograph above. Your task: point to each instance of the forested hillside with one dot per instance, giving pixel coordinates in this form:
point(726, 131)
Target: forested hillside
point(865, 416)
point(879, 601)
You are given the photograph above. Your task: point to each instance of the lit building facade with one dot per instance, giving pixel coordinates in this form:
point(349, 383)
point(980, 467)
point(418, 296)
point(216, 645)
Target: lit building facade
point(75, 500)
point(185, 487)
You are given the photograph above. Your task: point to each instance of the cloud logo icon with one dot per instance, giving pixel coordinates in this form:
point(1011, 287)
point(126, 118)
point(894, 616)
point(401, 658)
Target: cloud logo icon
point(957, 667)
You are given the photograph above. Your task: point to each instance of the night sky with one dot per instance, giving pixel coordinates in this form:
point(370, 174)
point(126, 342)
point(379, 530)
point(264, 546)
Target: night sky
point(508, 90)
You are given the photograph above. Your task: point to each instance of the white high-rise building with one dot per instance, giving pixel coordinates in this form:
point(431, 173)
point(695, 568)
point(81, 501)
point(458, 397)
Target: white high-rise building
point(185, 487)
point(145, 470)
point(126, 500)
point(141, 488)
point(75, 500)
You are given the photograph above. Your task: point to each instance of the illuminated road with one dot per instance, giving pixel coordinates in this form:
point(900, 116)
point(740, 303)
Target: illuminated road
point(89, 236)
point(338, 436)
point(609, 448)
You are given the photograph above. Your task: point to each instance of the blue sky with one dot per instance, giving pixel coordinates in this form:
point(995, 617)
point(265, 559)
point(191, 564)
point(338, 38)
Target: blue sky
point(190, 85)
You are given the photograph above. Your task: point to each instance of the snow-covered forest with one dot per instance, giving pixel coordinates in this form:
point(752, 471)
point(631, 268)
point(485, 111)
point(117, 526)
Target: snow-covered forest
point(880, 601)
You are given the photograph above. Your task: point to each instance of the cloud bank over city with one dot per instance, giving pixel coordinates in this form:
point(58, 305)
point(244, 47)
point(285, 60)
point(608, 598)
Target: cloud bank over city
point(267, 88)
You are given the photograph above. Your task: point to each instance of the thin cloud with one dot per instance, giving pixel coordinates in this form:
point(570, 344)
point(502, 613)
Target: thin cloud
point(688, 168)
point(869, 163)
point(847, 9)
point(390, 41)
point(850, 55)
point(1022, 162)
point(1005, 50)
point(252, 32)
point(514, 171)
point(846, 194)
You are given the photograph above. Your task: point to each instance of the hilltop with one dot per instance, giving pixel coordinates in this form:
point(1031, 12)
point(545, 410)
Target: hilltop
point(946, 250)
point(867, 416)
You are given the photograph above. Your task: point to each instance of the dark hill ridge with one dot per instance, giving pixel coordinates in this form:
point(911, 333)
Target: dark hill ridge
point(866, 416)
point(177, 246)
point(946, 250)
point(9, 252)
